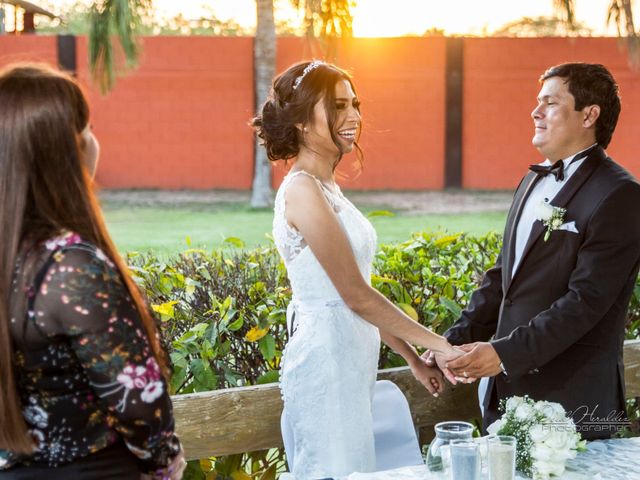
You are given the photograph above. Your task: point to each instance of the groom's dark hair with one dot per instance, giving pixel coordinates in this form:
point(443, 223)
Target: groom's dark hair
point(591, 84)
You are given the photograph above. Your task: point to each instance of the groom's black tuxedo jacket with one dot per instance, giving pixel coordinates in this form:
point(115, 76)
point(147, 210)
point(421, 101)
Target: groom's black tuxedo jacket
point(558, 325)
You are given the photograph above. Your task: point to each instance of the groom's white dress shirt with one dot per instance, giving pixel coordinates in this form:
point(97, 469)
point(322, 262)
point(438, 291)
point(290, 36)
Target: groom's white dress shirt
point(546, 188)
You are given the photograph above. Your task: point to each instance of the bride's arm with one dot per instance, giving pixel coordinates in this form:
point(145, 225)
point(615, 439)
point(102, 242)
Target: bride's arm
point(309, 212)
point(431, 377)
point(401, 347)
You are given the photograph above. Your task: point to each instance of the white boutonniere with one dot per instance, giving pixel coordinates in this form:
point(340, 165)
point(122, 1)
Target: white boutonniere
point(551, 217)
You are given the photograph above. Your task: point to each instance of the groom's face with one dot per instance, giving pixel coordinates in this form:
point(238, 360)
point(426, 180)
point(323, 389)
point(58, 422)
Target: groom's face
point(559, 128)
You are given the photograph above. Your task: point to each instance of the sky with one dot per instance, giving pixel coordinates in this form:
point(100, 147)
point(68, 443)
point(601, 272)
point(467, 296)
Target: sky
point(374, 18)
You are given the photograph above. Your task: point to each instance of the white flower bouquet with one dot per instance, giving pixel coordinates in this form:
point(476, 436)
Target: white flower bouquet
point(546, 438)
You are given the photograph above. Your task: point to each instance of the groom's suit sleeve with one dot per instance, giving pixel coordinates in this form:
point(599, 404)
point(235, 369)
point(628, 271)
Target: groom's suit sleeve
point(479, 320)
point(607, 259)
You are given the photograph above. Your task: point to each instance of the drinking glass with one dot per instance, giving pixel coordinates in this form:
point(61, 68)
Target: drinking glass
point(465, 460)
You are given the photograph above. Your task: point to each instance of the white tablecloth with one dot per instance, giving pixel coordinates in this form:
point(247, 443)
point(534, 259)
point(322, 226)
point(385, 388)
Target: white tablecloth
point(616, 459)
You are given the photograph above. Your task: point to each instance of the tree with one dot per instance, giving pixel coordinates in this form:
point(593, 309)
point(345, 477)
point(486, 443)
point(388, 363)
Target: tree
point(541, 27)
point(264, 65)
point(620, 12)
point(114, 17)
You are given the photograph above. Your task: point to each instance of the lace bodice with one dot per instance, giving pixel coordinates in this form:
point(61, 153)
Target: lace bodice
point(308, 279)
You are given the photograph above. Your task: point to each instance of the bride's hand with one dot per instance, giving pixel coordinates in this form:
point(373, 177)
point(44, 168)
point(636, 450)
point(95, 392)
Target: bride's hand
point(430, 377)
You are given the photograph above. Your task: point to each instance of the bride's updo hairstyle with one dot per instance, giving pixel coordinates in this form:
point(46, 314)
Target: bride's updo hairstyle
point(293, 95)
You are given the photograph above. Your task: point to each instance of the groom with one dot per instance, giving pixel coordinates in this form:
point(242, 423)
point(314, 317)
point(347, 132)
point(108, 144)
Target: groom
point(548, 320)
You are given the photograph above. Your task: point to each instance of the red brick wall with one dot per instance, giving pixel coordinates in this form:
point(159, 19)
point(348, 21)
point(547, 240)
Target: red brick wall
point(180, 119)
point(500, 88)
point(28, 48)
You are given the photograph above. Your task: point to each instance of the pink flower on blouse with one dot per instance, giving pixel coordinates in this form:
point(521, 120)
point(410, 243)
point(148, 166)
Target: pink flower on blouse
point(151, 392)
point(133, 377)
point(63, 241)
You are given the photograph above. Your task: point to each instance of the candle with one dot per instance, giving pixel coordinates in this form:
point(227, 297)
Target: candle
point(501, 458)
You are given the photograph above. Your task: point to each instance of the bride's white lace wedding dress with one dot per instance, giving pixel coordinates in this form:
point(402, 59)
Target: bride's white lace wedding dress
point(329, 365)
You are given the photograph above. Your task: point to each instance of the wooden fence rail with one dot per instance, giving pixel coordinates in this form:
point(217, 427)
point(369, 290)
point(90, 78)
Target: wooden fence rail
point(236, 420)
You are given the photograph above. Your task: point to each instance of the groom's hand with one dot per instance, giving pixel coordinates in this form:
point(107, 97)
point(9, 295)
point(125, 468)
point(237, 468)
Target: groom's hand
point(481, 360)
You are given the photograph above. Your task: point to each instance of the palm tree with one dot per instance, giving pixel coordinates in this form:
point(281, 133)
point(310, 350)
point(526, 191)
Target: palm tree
point(620, 12)
point(325, 20)
point(264, 65)
point(109, 17)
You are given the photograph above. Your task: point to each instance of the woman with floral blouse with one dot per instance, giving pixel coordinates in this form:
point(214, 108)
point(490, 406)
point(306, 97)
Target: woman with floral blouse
point(83, 391)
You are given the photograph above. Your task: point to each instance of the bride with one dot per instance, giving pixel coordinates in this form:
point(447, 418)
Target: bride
point(336, 319)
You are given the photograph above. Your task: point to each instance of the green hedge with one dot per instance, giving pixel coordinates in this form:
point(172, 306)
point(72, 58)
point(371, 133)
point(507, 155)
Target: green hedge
point(223, 312)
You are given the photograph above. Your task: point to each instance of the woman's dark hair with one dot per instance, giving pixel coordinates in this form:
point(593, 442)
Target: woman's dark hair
point(591, 84)
point(293, 96)
point(45, 189)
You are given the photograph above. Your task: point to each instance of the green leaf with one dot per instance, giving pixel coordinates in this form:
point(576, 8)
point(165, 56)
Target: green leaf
point(390, 281)
point(452, 306)
point(380, 213)
point(235, 241)
point(267, 347)
point(177, 379)
point(165, 309)
point(199, 329)
point(409, 310)
point(236, 324)
point(443, 241)
point(272, 376)
point(204, 378)
point(178, 359)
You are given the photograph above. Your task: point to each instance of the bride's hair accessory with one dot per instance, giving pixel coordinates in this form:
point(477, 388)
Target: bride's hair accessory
point(312, 66)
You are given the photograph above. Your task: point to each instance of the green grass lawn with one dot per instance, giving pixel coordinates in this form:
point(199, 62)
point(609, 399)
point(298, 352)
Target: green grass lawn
point(164, 230)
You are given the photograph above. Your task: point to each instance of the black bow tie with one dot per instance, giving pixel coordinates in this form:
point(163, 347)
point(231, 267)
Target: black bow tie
point(557, 169)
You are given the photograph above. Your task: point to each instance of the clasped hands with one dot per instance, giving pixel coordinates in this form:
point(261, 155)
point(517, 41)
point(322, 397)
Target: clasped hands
point(467, 364)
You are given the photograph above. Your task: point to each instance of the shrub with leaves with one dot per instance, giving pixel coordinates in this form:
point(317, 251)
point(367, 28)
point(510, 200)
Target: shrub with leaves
point(223, 314)
point(431, 277)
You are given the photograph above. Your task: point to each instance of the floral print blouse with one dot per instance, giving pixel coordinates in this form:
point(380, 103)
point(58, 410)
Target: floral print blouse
point(85, 370)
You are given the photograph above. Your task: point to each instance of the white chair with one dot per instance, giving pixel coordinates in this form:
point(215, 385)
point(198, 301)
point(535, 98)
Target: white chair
point(396, 443)
point(395, 436)
point(287, 438)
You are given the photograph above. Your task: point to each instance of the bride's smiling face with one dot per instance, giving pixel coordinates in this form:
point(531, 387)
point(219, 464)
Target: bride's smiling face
point(317, 135)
